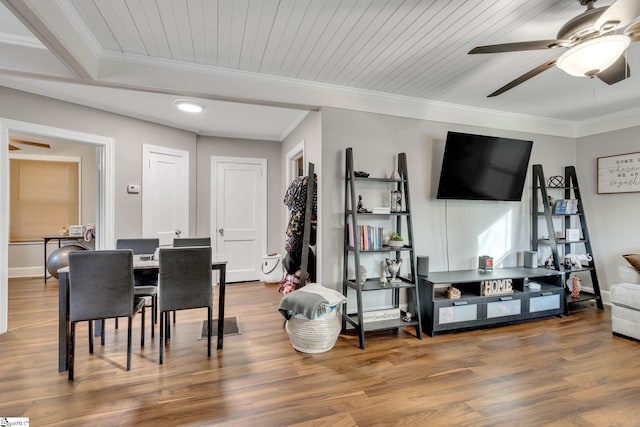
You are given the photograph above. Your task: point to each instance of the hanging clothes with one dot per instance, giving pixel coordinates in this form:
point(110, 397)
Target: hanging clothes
point(296, 199)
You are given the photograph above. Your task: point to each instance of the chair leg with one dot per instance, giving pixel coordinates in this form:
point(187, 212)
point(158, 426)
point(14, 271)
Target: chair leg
point(167, 325)
point(154, 314)
point(90, 336)
point(174, 316)
point(162, 319)
point(102, 325)
point(116, 324)
point(130, 322)
point(144, 309)
point(209, 330)
point(72, 348)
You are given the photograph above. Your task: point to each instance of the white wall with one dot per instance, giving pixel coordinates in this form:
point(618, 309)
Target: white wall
point(452, 233)
point(612, 218)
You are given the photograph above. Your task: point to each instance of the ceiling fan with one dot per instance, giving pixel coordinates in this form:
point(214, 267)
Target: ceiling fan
point(13, 144)
point(595, 49)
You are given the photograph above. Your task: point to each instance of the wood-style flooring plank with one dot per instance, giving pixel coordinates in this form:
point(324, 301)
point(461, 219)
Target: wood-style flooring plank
point(567, 371)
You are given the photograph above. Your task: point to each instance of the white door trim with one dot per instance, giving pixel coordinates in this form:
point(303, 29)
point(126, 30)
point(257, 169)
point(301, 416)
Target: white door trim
point(263, 218)
point(291, 158)
point(105, 200)
point(147, 149)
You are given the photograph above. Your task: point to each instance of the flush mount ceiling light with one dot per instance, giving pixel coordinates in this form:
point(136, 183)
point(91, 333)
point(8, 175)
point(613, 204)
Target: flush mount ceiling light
point(593, 56)
point(188, 106)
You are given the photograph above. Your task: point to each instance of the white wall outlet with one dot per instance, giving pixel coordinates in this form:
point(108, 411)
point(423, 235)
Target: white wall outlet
point(133, 188)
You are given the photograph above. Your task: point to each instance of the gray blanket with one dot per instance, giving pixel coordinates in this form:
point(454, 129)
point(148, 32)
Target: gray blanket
point(308, 304)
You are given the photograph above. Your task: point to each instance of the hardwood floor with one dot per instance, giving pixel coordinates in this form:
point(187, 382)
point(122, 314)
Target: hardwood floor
point(558, 371)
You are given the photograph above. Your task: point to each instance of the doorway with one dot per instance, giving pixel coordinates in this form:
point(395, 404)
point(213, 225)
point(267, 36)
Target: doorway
point(239, 214)
point(105, 211)
point(165, 193)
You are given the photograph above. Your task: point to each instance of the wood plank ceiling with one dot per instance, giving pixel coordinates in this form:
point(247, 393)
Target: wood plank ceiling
point(409, 48)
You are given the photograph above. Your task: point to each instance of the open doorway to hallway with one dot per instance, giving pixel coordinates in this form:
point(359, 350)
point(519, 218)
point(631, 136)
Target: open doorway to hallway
point(103, 189)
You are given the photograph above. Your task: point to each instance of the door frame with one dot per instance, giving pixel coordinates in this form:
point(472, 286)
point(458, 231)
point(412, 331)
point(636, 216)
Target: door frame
point(147, 149)
point(105, 200)
point(213, 213)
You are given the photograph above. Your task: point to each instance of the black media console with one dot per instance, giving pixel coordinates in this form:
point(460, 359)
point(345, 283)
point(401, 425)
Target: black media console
point(475, 310)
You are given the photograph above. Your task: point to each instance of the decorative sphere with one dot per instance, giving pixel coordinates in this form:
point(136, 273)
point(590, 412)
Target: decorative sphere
point(60, 258)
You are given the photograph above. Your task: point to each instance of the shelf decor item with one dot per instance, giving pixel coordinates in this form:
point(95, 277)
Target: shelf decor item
point(396, 201)
point(556, 181)
point(395, 240)
point(393, 268)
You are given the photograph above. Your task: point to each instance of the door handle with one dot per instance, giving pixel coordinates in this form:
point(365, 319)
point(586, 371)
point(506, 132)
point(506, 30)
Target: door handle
point(178, 233)
point(221, 231)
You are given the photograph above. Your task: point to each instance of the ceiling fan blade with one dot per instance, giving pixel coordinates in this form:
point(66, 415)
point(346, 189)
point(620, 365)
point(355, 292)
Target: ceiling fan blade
point(523, 78)
point(619, 14)
point(618, 71)
point(633, 31)
point(32, 144)
point(520, 46)
point(13, 147)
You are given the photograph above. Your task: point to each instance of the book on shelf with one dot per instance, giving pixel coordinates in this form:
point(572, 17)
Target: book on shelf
point(381, 210)
point(565, 206)
point(371, 237)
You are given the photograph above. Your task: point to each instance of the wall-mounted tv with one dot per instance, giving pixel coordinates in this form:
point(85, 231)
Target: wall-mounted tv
point(479, 167)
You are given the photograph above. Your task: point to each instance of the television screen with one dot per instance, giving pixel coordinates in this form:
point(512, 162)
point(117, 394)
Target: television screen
point(478, 167)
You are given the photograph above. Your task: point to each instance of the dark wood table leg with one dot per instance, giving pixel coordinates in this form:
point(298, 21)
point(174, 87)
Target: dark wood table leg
point(223, 270)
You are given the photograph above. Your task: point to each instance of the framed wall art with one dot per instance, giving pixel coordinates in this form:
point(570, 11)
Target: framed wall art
point(619, 173)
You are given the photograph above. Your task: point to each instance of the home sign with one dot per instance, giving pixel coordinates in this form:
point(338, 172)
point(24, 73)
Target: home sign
point(497, 287)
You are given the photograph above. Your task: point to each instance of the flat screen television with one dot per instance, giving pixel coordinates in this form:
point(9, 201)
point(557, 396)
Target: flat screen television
point(479, 167)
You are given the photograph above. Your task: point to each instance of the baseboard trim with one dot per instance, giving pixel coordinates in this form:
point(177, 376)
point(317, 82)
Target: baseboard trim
point(20, 272)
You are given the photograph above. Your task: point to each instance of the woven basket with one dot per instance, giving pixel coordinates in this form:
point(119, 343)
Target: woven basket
point(314, 336)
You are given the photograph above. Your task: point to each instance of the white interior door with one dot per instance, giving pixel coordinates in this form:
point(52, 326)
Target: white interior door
point(239, 214)
point(165, 193)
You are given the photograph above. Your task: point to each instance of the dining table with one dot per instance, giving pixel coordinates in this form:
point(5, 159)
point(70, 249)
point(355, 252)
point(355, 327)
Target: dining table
point(218, 262)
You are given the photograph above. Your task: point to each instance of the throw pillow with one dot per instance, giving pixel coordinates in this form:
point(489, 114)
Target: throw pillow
point(634, 260)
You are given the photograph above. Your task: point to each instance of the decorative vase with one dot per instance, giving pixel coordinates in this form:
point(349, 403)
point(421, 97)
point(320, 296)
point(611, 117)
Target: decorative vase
point(575, 287)
point(395, 174)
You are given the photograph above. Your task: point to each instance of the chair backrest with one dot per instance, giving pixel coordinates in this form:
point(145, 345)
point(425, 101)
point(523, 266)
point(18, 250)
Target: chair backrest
point(192, 241)
point(139, 246)
point(100, 284)
point(185, 278)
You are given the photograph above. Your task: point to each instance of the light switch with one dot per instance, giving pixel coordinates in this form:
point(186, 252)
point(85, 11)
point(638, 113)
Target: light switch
point(133, 188)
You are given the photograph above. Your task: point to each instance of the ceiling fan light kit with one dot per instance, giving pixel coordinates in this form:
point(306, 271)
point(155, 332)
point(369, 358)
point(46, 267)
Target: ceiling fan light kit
point(593, 56)
point(594, 49)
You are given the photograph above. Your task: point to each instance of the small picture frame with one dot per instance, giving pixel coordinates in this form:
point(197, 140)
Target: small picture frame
point(572, 234)
point(619, 173)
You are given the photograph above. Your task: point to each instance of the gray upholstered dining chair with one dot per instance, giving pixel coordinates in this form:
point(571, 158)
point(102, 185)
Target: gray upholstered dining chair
point(188, 242)
point(146, 281)
point(101, 287)
point(192, 241)
point(185, 283)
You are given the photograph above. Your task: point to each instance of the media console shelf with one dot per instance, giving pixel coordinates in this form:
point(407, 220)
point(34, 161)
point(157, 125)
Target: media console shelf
point(474, 310)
